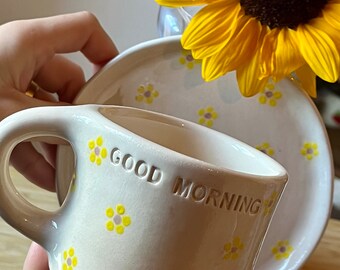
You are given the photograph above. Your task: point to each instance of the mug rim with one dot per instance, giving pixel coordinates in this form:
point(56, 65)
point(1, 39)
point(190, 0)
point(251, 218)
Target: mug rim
point(280, 175)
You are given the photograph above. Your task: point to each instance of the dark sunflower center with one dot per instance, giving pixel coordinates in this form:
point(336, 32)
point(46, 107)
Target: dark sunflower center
point(283, 13)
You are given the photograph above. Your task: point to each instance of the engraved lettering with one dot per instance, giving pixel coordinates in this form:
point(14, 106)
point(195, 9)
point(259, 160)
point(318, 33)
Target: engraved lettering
point(227, 201)
point(116, 156)
point(182, 187)
point(255, 207)
point(141, 169)
point(128, 162)
point(202, 194)
point(198, 193)
point(214, 195)
point(239, 197)
point(245, 204)
point(155, 175)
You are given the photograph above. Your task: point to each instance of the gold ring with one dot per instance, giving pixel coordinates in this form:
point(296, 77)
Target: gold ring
point(32, 89)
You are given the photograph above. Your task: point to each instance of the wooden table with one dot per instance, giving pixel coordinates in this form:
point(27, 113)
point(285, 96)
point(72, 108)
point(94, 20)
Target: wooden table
point(327, 254)
point(13, 246)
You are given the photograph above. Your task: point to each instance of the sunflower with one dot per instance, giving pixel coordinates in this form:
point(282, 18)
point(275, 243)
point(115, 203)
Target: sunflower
point(263, 39)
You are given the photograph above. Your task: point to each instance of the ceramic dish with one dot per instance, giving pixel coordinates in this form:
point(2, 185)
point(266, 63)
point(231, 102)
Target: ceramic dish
point(280, 121)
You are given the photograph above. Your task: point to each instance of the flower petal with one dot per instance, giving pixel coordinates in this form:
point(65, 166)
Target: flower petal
point(212, 68)
point(280, 54)
point(307, 79)
point(266, 52)
point(331, 14)
point(236, 53)
point(329, 22)
point(248, 77)
point(319, 51)
point(243, 44)
point(213, 26)
point(225, 36)
point(287, 54)
point(183, 3)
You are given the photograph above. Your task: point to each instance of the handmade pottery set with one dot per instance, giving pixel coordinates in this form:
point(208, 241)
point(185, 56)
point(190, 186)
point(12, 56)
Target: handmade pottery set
point(150, 190)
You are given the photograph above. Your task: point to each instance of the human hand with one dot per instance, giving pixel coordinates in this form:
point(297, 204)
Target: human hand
point(30, 51)
point(36, 258)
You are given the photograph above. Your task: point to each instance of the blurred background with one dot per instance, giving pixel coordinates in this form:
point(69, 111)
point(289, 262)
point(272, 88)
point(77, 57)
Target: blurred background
point(328, 103)
point(128, 22)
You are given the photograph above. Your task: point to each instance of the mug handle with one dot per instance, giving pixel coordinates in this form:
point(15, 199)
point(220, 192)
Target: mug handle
point(37, 224)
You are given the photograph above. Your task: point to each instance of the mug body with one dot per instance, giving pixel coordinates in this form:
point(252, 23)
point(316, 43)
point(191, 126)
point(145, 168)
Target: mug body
point(150, 191)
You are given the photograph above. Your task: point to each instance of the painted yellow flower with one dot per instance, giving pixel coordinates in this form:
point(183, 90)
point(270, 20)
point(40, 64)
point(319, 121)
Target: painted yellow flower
point(117, 219)
point(282, 250)
point(233, 249)
point(264, 38)
point(188, 60)
point(207, 116)
point(265, 148)
point(70, 260)
point(269, 203)
point(309, 150)
point(269, 95)
point(98, 152)
point(146, 93)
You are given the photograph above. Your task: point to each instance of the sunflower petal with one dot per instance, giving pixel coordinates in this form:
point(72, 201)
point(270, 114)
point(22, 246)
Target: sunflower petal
point(307, 79)
point(183, 3)
point(331, 13)
point(248, 77)
point(243, 44)
point(211, 48)
point(329, 22)
point(212, 68)
point(280, 54)
point(319, 51)
point(236, 53)
point(269, 44)
point(287, 54)
point(210, 27)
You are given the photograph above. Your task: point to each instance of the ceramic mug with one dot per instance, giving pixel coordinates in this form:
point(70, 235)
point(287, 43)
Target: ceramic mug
point(150, 191)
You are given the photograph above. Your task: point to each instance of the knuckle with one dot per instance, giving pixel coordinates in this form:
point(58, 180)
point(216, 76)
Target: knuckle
point(89, 17)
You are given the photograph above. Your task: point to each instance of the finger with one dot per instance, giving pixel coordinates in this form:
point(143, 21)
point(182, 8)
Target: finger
point(35, 42)
point(36, 258)
point(48, 150)
point(33, 166)
point(61, 76)
point(74, 32)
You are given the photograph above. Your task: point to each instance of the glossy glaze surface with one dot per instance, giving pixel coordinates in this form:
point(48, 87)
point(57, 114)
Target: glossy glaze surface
point(281, 121)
